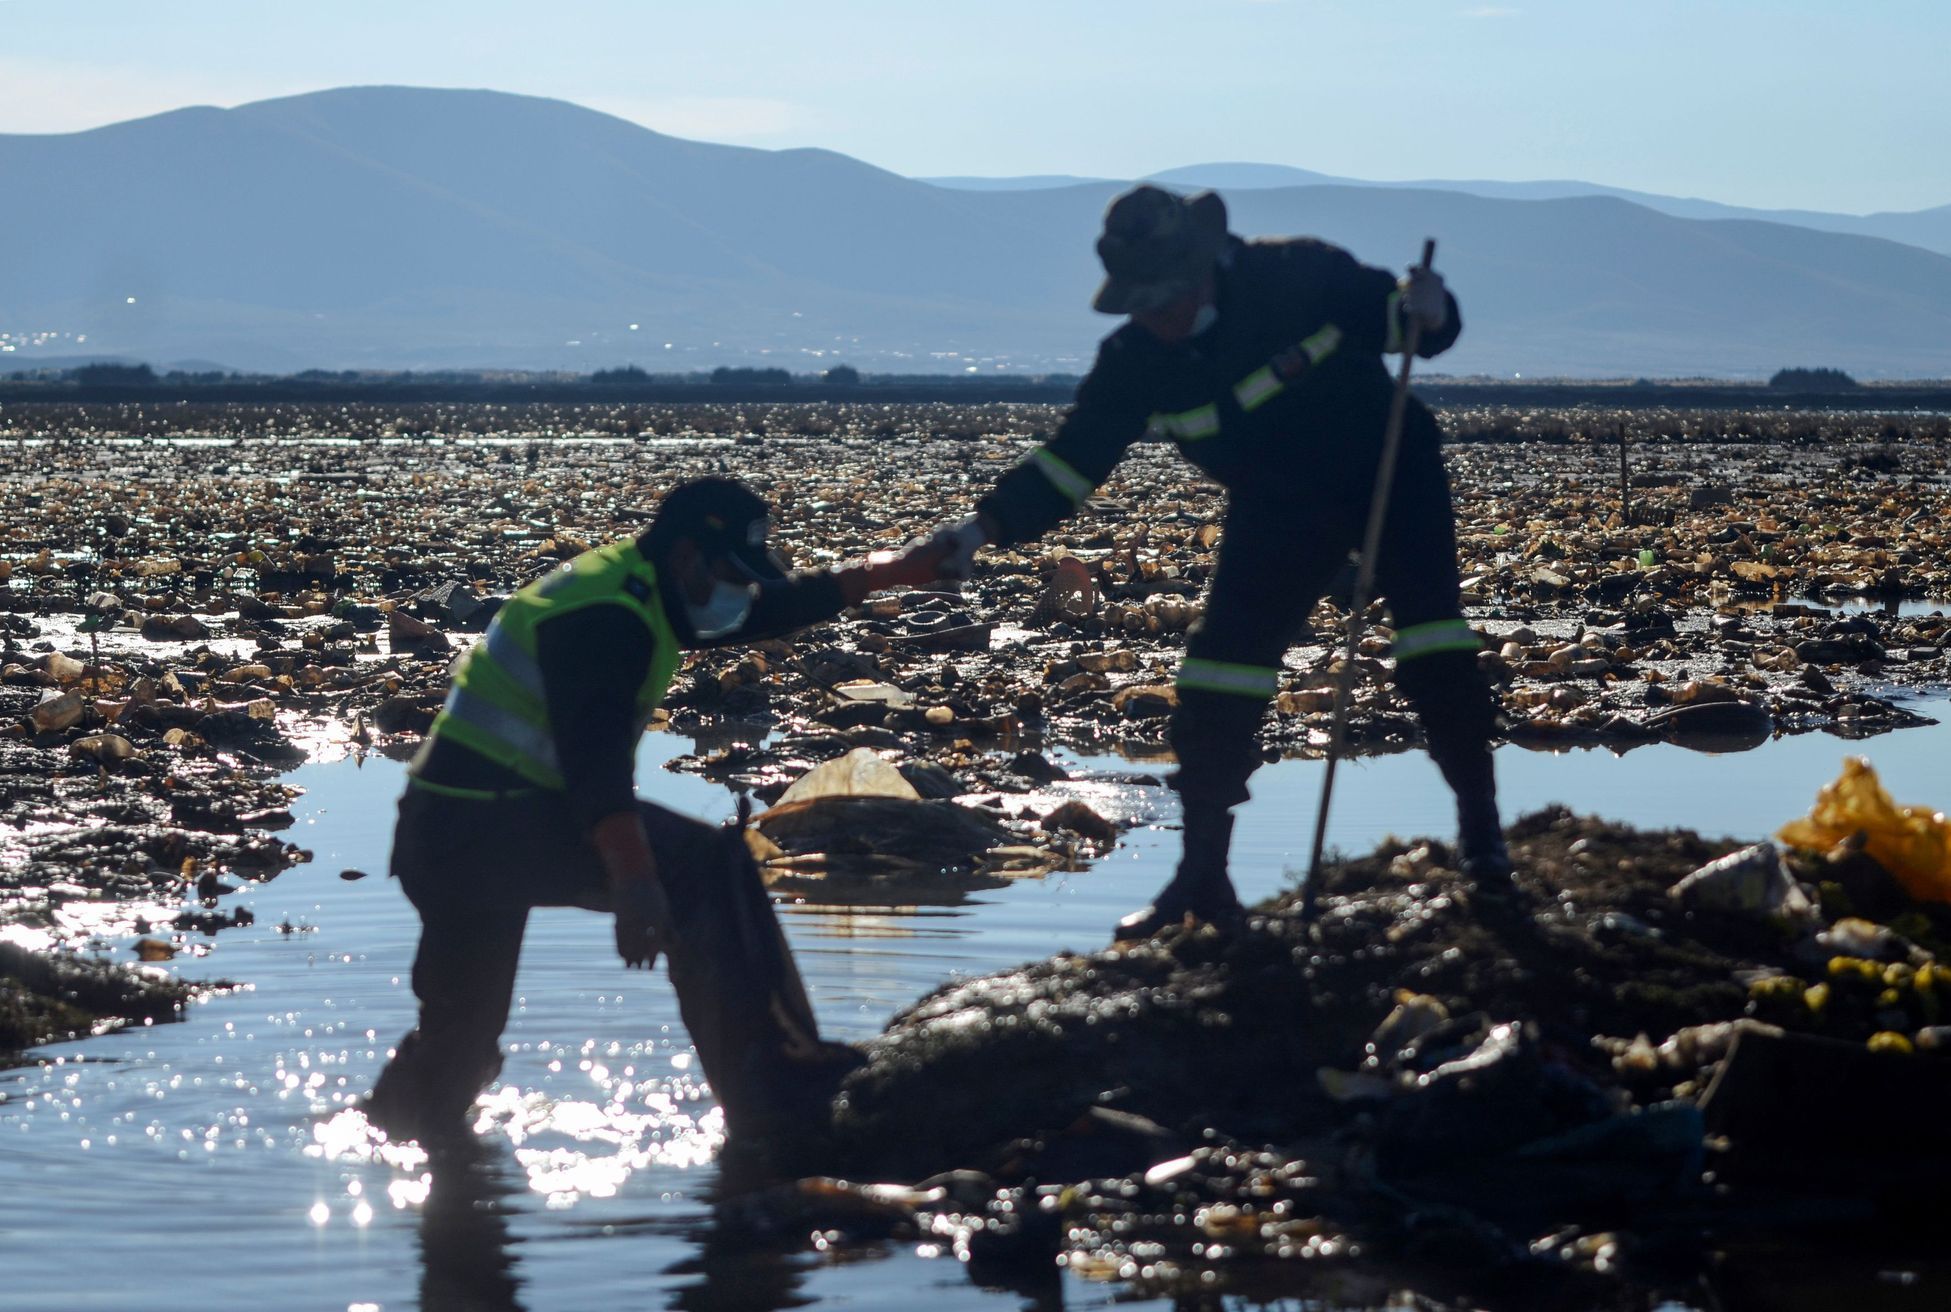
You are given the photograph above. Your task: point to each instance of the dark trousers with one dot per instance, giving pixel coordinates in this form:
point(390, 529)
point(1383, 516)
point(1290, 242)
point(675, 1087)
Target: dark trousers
point(1281, 549)
point(474, 870)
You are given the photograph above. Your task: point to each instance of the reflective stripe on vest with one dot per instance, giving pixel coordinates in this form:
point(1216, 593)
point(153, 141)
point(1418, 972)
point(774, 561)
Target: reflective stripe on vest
point(1392, 344)
point(1223, 676)
point(498, 705)
point(518, 664)
point(1074, 486)
point(1438, 635)
point(1188, 425)
point(510, 728)
point(1271, 378)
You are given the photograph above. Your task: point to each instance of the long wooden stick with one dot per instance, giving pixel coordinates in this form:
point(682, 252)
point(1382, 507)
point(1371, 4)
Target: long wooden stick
point(1625, 480)
point(1378, 513)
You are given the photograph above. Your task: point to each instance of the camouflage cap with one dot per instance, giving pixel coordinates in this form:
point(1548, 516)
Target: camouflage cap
point(1156, 247)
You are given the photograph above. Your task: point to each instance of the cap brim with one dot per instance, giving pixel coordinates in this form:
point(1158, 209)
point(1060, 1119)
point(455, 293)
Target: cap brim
point(758, 563)
point(1124, 296)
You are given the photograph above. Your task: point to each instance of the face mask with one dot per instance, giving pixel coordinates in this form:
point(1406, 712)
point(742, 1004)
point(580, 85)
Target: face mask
point(1206, 317)
point(723, 611)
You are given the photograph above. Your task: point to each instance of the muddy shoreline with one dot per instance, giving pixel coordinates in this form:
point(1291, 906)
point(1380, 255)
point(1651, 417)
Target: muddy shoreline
point(1565, 1095)
point(195, 599)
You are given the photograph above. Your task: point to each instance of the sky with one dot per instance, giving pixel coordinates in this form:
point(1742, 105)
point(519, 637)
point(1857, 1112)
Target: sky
point(1773, 103)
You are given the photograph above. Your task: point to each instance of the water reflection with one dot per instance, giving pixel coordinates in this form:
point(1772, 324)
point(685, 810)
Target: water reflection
point(732, 1269)
point(595, 1184)
point(467, 1258)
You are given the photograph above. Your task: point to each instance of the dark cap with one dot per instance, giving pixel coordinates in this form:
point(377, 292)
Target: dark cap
point(1156, 247)
point(727, 520)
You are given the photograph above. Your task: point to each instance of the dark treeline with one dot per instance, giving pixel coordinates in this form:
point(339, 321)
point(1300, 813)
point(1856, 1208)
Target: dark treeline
point(1812, 380)
point(734, 386)
point(1788, 389)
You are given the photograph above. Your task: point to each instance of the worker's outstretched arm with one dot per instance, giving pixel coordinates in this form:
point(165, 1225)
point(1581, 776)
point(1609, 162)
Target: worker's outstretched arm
point(816, 595)
point(1056, 478)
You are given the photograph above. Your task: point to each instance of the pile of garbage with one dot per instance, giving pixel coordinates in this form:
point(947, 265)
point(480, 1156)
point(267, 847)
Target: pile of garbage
point(1650, 1045)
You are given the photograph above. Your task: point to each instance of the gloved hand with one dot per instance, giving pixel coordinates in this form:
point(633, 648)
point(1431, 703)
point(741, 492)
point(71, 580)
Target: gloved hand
point(1425, 301)
point(643, 920)
point(959, 543)
point(915, 566)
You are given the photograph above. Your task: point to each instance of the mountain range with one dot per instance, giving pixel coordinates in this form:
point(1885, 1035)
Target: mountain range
point(400, 227)
point(1929, 228)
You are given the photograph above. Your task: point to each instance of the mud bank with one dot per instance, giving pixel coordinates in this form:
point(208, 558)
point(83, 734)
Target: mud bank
point(1599, 1076)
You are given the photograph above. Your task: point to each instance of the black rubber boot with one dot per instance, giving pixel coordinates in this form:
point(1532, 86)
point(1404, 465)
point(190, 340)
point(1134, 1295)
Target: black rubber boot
point(1481, 852)
point(1200, 889)
point(1458, 717)
point(424, 1096)
point(743, 1001)
point(1468, 768)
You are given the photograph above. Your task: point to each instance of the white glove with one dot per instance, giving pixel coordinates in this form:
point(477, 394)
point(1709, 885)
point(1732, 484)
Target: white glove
point(1425, 301)
point(963, 541)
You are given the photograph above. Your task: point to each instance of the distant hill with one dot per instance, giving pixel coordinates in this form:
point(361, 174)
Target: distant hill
point(1930, 229)
point(1028, 182)
point(395, 227)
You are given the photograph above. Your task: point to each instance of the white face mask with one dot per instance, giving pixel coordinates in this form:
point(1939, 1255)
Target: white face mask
point(1206, 317)
point(723, 611)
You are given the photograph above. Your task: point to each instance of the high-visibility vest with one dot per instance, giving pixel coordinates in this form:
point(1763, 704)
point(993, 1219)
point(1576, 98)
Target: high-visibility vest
point(498, 705)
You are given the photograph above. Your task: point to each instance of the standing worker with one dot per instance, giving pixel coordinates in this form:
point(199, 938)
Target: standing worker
point(1262, 360)
point(523, 796)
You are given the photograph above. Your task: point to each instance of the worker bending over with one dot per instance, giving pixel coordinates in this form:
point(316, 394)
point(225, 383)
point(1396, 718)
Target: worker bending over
point(1262, 361)
point(523, 796)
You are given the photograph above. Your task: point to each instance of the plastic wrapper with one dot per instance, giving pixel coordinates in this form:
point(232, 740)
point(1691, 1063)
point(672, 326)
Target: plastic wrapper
point(1912, 842)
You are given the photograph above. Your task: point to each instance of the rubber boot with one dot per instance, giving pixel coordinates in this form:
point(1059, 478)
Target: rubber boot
point(1459, 717)
point(1481, 853)
point(424, 1095)
point(1469, 770)
point(1201, 887)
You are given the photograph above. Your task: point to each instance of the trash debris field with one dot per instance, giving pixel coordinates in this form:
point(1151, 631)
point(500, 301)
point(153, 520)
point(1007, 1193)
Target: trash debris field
point(1033, 701)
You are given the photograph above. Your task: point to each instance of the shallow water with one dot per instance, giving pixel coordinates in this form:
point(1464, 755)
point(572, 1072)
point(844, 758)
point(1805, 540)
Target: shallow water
point(201, 1165)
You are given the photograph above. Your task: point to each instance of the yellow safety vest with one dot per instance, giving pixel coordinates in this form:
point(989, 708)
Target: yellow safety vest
point(498, 706)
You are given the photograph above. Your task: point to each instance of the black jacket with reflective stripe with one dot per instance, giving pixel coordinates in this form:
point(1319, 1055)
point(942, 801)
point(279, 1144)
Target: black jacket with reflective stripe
point(1291, 375)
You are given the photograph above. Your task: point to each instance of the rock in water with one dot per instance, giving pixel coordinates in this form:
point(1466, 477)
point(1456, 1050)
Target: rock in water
point(860, 773)
point(939, 835)
point(108, 748)
point(57, 713)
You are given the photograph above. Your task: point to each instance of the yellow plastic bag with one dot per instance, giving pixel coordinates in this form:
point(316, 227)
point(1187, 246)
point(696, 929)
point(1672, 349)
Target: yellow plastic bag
point(1912, 842)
